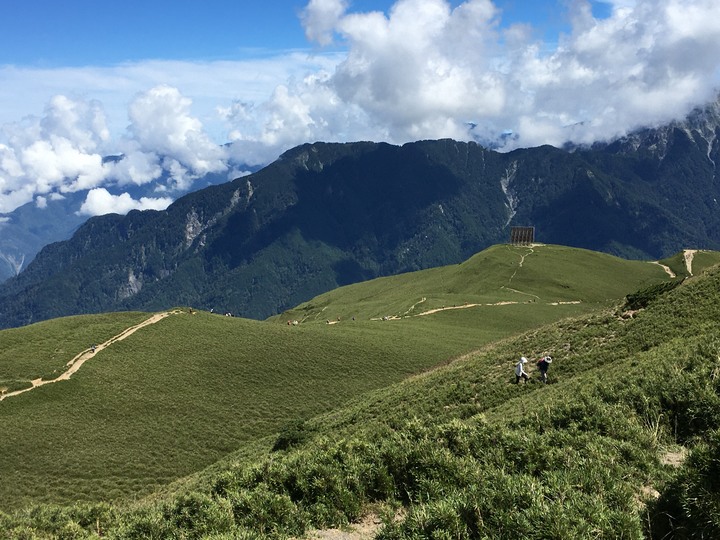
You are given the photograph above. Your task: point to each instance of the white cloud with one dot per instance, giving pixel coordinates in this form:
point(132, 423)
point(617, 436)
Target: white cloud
point(321, 17)
point(425, 70)
point(422, 70)
point(161, 123)
point(100, 201)
point(63, 151)
point(58, 152)
point(136, 166)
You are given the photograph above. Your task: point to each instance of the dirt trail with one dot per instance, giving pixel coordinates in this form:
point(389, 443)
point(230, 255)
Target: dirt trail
point(76, 363)
point(667, 269)
point(688, 255)
point(412, 308)
point(366, 529)
point(522, 261)
point(431, 311)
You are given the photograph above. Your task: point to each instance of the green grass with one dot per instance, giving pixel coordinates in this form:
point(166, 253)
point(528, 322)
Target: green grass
point(549, 274)
point(179, 395)
point(466, 454)
point(702, 260)
point(462, 449)
point(378, 400)
point(42, 350)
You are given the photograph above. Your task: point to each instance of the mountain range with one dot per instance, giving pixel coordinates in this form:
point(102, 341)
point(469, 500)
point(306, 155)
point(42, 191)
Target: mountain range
point(30, 227)
point(325, 215)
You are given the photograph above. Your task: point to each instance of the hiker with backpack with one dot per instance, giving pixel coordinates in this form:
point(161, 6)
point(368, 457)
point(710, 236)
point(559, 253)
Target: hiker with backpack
point(543, 364)
point(520, 371)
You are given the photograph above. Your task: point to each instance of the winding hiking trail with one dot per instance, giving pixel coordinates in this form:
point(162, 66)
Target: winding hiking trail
point(667, 269)
point(76, 363)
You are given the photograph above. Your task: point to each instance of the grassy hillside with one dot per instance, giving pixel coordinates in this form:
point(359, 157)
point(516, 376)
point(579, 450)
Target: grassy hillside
point(180, 394)
point(453, 451)
point(542, 275)
point(44, 349)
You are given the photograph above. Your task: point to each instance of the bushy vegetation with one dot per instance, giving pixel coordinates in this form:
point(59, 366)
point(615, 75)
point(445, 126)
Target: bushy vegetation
point(689, 506)
point(641, 299)
point(461, 452)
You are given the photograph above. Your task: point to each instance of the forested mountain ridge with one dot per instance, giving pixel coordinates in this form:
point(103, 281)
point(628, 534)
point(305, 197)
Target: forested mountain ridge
point(325, 215)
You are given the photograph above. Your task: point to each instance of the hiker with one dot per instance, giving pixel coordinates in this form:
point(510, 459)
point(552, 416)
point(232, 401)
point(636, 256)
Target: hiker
point(93, 348)
point(520, 371)
point(543, 364)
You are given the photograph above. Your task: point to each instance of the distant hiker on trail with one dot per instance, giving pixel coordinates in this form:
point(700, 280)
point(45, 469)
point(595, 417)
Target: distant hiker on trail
point(520, 371)
point(543, 364)
point(93, 348)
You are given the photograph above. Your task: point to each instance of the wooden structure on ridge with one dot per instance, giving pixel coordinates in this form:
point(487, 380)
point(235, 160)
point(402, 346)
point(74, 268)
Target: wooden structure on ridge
point(522, 236)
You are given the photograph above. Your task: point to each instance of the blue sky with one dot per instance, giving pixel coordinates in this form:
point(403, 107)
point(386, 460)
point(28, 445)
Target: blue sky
point(91, 32)
point(166, 83)
point(77, 33)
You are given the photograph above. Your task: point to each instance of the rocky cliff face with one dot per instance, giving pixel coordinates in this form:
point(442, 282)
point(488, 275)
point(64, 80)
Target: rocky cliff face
point(325, 215)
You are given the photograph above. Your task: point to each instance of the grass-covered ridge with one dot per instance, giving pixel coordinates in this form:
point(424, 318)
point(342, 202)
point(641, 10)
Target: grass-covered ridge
point(460, 449)
point(539, 274)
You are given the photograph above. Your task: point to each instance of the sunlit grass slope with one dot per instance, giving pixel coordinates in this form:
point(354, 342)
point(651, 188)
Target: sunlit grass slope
point(541, 274)
point(458, 451)
point(454, 452)
point(182, 393)
point(177, 395)
point(42, 350)
point(699, 260)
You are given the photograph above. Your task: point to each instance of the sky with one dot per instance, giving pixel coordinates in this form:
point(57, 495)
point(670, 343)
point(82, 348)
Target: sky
point(183, 88)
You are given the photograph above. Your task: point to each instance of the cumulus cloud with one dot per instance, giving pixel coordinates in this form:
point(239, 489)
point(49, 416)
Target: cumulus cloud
point(63, 151)
point(161, 124)
point(423, 69)
point(56, 152)
point(428, 70)
point(100, 201)
point(321, 17)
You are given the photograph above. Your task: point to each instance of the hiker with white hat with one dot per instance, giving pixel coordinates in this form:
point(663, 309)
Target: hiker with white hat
point(520, 370)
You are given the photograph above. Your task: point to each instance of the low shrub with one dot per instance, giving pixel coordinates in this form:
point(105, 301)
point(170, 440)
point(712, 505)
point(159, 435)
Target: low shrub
point(689, 505)
point(642, 298)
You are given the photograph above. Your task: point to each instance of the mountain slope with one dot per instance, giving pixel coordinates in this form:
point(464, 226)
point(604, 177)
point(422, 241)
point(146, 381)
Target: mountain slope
point(27, 229)
point(459, 451)
point(500, 275)
point(326, 215)
point(179, 394)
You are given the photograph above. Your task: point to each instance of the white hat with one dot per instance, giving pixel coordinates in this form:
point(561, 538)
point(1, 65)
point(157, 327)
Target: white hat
point(523, 360)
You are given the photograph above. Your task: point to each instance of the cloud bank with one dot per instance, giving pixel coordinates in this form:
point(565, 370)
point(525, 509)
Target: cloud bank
point(422, 70)
point(426, 70)
point(64, 150)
